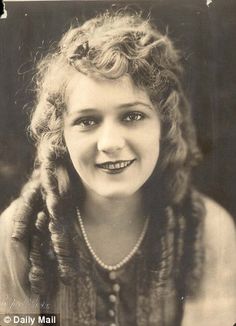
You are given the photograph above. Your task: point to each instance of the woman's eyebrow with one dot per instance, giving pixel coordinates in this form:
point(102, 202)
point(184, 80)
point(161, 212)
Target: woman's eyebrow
point(82, 111)
point(120, 106)
point(131, 104)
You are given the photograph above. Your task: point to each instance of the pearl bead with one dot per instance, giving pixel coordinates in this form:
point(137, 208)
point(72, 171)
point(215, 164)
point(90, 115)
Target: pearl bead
point(112, 276)
point(116, 288)
point(112, 298)
point(111, 313)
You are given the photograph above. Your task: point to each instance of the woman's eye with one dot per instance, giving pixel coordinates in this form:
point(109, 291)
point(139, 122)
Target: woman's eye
point(133, 116)
point(86, 122)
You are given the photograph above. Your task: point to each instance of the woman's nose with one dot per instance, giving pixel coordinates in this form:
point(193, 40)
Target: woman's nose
point(110, 139)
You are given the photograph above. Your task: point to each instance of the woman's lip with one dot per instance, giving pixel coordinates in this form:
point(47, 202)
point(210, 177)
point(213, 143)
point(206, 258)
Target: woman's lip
point(115, 166)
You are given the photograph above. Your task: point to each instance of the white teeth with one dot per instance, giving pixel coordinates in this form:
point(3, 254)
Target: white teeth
point(117, 165)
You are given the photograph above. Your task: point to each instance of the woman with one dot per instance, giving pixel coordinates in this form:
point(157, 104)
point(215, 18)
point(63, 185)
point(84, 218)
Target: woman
point(109, 229)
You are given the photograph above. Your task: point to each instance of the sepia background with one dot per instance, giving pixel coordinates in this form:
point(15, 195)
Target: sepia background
point(204, 31)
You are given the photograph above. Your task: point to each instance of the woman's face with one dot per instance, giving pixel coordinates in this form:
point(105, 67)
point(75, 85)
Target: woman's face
point(112, 133)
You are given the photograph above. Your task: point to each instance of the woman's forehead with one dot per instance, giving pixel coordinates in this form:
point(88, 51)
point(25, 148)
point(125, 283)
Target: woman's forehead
point(94, 92)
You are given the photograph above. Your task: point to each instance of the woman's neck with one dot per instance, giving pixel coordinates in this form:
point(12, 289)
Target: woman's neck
point(114, 212)
point(113, 225)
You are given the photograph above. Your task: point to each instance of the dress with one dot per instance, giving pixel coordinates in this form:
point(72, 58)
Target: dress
point(90, 299)
point(93, 299)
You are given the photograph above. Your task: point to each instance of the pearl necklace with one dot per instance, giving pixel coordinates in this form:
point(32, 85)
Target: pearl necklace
point(125, 259)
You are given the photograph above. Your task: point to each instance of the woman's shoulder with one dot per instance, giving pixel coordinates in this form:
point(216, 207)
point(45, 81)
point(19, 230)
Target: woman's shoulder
point(14, 267)
point(9, 247)
point(7, 219)
point(217, 218)
point(7, 227)
point(215, 214)
point(215, 304)
point(219, 234)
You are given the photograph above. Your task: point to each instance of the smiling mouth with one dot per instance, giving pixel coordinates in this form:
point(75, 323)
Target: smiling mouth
point(115, 167)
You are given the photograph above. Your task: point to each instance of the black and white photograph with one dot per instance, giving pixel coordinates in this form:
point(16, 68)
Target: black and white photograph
point(118, 163)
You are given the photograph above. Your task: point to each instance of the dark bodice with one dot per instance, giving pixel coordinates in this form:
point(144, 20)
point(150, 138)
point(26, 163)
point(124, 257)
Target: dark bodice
point(127, 297)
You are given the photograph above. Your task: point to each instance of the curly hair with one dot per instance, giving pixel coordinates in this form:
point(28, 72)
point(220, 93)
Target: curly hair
point(110, 46)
